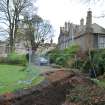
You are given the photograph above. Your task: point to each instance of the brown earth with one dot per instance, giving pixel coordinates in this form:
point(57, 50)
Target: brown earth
point(60, 88)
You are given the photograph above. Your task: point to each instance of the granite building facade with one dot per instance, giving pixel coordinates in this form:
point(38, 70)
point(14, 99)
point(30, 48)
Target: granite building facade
point(87, 36)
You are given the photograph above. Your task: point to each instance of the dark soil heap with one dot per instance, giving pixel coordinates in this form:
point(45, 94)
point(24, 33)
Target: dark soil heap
point(60, 88)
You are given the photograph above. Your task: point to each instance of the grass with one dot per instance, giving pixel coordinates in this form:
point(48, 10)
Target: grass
point(100, 83)
point(13, 78)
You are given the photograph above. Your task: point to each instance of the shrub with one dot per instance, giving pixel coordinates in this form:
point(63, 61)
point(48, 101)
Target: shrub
point(15, 58)
point(61, 61)
point(94, 60)
point(99, 61)
point(70, 53)
point(53, 55)
point(2, 59)
point(71, 62)
point(62, 57)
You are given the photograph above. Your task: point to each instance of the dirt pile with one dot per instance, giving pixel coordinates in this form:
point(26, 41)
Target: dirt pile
point(84, 92)
point(60, 88)
point(51, 92)
point(82, 95)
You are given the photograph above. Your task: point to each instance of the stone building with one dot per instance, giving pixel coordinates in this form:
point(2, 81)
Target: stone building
point(3, 50)
point(89, 36)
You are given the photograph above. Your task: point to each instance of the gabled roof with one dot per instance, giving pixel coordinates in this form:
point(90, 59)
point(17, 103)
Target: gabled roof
point(82, 30)
point(98, 29)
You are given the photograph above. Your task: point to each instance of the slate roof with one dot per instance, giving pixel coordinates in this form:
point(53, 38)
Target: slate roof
point(98, 29)
point(81, 30)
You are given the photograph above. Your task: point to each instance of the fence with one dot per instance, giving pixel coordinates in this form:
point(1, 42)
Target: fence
point(4, 50)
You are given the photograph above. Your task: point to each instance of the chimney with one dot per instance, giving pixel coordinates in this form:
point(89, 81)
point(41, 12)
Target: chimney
point(89, 21)
point(61, 29)
point(51, 41)
point(82, 22)
point(66, 26)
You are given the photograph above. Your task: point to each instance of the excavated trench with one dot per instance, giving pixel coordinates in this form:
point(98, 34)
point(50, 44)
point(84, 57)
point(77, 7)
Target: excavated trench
point(52, 91)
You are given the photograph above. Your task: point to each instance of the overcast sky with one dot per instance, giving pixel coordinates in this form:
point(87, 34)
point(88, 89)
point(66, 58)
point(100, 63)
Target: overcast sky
point(59, 11)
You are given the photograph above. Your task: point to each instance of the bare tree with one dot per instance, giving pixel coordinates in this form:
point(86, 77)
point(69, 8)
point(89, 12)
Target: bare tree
point(37, 31)
point(95, 2)
point(10, 11)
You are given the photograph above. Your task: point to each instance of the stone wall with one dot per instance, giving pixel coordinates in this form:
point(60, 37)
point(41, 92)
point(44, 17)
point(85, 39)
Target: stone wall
point(2, 50)
point(81, 42)
point(86, 41)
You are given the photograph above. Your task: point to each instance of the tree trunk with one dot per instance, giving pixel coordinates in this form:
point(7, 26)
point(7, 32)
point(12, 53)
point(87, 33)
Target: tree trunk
point(33, 46)
point(11, 42)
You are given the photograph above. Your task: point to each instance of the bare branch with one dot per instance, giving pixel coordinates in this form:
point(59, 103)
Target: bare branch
point(4, 23)
point(11, 11)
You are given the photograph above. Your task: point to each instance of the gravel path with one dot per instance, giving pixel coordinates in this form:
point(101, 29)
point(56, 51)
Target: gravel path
point(45, 69)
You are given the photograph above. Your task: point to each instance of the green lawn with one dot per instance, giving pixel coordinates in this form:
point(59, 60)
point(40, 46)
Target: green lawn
point(13, 77)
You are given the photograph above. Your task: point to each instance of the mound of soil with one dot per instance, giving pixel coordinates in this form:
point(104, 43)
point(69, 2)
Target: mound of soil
point(84, 92)
point(85, 95)
point(60, 88)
